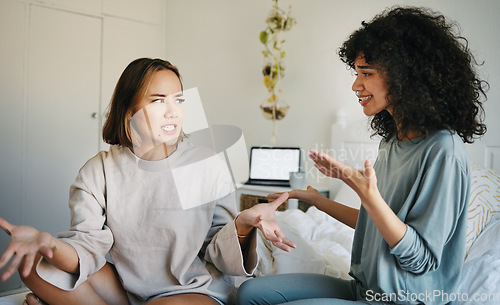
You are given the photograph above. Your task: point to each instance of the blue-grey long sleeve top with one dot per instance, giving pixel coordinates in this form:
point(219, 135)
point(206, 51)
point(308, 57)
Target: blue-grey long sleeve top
point(426, 182)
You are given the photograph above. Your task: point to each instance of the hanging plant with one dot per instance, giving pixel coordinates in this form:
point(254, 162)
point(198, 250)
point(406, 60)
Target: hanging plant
point(278, 21)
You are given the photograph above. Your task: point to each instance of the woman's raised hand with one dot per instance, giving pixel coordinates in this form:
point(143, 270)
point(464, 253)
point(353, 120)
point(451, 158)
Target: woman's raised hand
point(361, 181)
point(26, 243)
point(262, 216)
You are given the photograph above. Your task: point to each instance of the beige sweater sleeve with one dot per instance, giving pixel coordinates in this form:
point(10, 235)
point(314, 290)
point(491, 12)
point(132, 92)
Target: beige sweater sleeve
point(225, 252)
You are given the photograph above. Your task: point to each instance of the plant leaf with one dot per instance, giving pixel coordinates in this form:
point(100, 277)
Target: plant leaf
point(263, 37)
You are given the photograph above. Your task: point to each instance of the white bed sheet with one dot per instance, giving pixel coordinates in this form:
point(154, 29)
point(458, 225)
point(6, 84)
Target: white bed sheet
point(323, 245)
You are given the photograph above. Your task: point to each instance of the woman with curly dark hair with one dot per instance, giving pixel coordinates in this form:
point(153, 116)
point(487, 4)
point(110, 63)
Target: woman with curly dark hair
point(416, 79)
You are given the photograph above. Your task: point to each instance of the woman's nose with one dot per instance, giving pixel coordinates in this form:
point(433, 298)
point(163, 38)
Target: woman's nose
point(170, 111)
point(170, 114)
point(357, 85)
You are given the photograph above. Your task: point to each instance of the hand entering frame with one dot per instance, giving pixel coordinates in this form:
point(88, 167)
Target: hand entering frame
point(26, 243)
point(262, 216)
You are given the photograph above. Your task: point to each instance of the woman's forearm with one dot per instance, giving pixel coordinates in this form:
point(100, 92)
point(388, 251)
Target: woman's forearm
point(342, 213)
point(64, 256)
point(387, 222)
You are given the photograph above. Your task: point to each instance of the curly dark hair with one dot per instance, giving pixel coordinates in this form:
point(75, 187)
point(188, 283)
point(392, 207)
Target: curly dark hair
point(429, 70)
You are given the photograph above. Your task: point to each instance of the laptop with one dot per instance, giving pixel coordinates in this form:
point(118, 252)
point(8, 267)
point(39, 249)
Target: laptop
point(272, 165)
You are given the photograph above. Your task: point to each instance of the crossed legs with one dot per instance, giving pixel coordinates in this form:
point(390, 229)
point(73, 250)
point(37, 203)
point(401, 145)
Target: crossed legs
point(101, 288)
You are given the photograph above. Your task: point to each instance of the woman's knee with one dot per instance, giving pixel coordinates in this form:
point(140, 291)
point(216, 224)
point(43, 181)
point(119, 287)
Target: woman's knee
point(245, 292)
point(262, 290)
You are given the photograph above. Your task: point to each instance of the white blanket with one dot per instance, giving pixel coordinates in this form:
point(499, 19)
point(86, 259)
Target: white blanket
point(323, 245)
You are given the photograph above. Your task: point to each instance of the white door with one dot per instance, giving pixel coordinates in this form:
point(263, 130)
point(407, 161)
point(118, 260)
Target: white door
point(50, 84)
point(61, 131)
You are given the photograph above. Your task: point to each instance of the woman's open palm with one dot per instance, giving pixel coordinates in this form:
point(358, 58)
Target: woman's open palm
point(262, 216)
point(359, 180)
point(26, 243)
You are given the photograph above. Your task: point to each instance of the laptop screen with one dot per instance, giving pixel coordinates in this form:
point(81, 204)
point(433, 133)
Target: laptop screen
point(274, 163)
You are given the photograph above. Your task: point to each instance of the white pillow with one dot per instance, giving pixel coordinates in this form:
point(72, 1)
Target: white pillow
point(480, 278)
point(484, 201)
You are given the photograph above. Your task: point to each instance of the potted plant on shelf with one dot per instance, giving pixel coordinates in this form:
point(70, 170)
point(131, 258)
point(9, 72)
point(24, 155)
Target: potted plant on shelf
point(278, 21)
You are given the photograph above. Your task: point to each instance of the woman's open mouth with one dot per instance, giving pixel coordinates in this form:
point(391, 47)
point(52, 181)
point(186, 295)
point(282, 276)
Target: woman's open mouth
point(169, 128)
point(364, 100)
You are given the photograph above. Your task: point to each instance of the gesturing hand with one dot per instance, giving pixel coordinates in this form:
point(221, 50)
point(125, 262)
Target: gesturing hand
point(361, 181)
point(262, 216)
point(25, 244)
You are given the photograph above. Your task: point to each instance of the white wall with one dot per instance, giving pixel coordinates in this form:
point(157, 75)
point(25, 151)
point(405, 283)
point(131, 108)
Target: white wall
point(216, 47)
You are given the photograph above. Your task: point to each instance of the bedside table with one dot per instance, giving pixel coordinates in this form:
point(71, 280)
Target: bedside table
point(249, 195)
